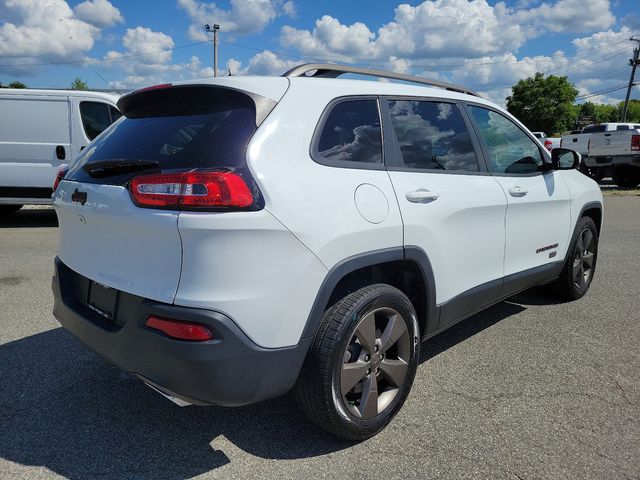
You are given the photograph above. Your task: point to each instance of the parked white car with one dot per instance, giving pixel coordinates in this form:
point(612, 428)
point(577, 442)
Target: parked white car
point(232, 239)
point(41, 130)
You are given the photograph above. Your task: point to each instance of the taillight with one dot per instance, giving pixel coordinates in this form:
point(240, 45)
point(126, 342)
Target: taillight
point(635, 142)
point(62, 171)
point(153, 87)
point(192, 189)
point(180, 330)
point(548, 144)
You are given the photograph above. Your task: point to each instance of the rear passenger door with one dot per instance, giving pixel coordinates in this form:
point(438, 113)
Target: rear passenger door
point(451, 207)
point(538, 213)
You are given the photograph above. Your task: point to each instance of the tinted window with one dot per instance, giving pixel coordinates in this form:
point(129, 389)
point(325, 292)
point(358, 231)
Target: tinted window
point(510, 149)
point(623, 127)
point(432, 135)
point(352, 133)
point(213, 133)
point(594, 128)
point(96, 117)
point(115, 113)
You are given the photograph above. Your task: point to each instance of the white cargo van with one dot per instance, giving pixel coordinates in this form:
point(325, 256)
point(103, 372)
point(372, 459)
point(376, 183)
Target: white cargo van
point(40, 130)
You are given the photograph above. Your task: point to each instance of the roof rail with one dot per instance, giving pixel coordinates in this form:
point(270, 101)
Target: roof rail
point(329, 70)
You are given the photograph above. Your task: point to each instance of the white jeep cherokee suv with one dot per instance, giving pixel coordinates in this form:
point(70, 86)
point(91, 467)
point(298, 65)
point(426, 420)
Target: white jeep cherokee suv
point(232, 239)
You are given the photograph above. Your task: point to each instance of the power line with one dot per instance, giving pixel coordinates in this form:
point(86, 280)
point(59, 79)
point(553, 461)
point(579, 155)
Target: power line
point(110, 59)
point(434, 67)
point(601, 92)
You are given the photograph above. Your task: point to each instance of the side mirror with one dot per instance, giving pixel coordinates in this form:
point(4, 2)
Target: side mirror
point(565, 159)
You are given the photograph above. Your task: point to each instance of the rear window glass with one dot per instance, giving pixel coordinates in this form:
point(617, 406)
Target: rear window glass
point(212, 135)
point(622, 127)
point(351, 133)
point(594, 128)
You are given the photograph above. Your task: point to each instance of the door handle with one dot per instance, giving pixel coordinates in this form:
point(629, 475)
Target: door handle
point(422, 196)
point(60, 153)
point(518, 191)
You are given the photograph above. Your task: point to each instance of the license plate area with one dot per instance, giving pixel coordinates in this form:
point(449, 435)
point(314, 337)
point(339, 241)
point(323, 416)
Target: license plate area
point(102, 300)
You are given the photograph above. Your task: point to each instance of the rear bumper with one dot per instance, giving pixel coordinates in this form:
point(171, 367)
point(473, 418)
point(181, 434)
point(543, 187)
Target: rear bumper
point(229, 370)
point(633, 160)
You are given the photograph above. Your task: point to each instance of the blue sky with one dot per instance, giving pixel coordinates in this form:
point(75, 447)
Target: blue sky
point(484, 45)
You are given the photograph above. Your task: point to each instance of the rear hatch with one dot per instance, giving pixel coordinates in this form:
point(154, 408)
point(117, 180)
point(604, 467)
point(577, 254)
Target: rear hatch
point(130, 241)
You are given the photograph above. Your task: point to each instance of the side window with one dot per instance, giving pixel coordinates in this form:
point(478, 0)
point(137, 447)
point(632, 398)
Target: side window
point(96, 117)
point(622, 127)
point(432, 135)
point(510, 149)
point(351, 133)
point(115, 113)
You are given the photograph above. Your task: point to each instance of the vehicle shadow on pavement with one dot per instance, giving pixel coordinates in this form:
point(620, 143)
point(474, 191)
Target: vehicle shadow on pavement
point(485, 319)
point(467, 329)
point(64, 408)
point(32, 217)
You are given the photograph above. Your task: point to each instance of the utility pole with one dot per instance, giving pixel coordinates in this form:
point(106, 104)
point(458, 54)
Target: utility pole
point(214, 29)
point(634, 63)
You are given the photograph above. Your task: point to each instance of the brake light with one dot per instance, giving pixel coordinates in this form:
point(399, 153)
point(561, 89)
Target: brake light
point(181, 330)
point(635, 143)
point(548, 144)
point(60, 174)
point(153, 87)
point(193, 189)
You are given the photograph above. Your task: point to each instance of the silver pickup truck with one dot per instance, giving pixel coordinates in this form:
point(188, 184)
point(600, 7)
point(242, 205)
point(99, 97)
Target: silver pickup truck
point(619, 153)
point(580, 143)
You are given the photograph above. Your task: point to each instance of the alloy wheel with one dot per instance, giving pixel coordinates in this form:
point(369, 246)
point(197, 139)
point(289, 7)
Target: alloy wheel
point(375, 363)
point(583, 258)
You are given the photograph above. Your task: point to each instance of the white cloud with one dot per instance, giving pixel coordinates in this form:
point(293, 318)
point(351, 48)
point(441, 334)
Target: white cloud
point(151, 68)
point(46, 29)
point(453, 28)
point(100, 13)
point(568, 16)
point(447, 28)
point(243, 18)
point(432, 29)
point(331, 40)
point(265, 63)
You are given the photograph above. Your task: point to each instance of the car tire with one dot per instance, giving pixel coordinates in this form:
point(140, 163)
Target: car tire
point(362, 363)
point(9, 209)
point(626, 177)
point(580, 264)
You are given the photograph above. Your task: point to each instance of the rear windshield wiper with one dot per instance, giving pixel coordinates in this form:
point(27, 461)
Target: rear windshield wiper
point(105, 168)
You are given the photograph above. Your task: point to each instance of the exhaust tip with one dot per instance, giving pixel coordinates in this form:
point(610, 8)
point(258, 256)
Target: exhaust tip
point(165, 393)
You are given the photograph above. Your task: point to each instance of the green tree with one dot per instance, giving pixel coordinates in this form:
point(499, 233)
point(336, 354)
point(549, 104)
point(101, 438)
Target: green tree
point(599, 112)
point(14, 84)
point(633, 111)
point(544, 104)
point(79, 84)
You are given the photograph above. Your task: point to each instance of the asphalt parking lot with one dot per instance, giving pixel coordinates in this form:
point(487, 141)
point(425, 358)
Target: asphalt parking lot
point(528, 389)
